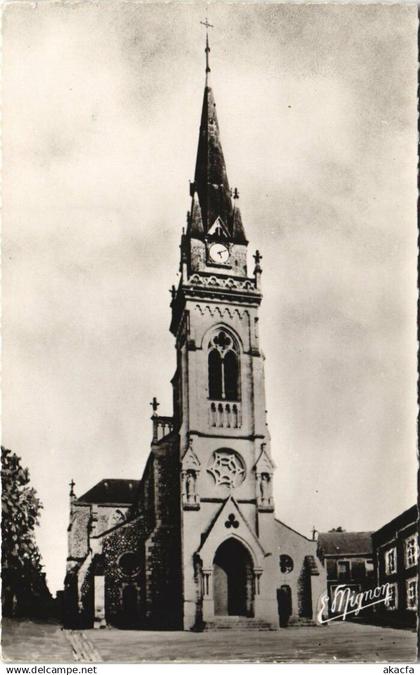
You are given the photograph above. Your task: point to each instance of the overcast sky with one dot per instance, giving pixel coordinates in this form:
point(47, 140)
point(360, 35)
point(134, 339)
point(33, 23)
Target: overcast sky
point(317, 109)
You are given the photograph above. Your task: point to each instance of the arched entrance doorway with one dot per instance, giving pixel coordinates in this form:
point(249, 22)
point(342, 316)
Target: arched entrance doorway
point(284, 604)
point(130, 599)
point(233, 580)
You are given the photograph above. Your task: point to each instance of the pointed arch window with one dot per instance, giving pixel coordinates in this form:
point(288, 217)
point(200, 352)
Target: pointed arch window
point(215, 374)
point(223, 364)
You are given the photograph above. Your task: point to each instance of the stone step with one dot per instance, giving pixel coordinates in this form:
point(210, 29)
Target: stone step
point(302, 622)
point(237, 623)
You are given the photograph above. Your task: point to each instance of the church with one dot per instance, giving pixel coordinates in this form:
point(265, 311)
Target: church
point(195, 543)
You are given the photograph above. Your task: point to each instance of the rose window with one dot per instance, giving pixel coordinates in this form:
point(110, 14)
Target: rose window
point(129, 563)
point(286, 564)
point(227, 468)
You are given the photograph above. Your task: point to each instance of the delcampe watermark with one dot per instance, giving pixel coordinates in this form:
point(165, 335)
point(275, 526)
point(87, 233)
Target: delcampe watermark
point(346, 600)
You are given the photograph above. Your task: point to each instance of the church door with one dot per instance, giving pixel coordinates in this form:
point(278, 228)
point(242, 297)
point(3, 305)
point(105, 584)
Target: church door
point(130, 605)
point(284, 604)
point(232, 580)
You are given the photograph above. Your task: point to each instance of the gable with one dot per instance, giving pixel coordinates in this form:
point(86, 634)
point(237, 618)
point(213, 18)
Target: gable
point(264, 463)
point(218, 229)
point(230, 523)
point(190, 460)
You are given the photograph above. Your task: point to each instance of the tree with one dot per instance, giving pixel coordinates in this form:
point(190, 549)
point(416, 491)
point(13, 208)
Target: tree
point(337, 529)
point(24, 590)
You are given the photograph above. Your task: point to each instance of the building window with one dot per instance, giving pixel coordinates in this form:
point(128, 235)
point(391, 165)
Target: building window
point(331, 569)
point(391, 561)
point(286, 564)
point(223, 363)
point(215, 375)
point(412, 594)
point(230, 366)
point(370, 568)
point(411, 551)
point(343, 569)
point(391, 601)
point(358, 569)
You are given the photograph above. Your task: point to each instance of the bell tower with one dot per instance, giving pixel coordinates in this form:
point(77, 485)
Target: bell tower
point(197, 545)
point(226, 469)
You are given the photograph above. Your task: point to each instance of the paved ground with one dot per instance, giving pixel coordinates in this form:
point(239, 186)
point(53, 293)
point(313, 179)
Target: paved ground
point(35, 642)
point(339, 641)
point(336, 642)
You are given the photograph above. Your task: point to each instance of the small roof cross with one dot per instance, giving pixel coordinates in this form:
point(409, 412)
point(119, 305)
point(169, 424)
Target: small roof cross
point(207, 24)
point(257, 257)
point(72, 484)
point(155, 405)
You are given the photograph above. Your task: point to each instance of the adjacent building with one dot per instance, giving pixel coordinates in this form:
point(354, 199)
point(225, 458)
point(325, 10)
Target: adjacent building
point(366, 560)
point(396, 554)
point(348, 560)
point(195, 543)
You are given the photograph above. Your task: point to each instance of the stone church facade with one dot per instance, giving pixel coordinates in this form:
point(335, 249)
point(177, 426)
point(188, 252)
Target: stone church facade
point(195, 543)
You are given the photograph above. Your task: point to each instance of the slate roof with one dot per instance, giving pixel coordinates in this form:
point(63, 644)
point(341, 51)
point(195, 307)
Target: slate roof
point(403, 519)
point(111, 490)
point(345, 543)
point(211, 184)
point(211, 179)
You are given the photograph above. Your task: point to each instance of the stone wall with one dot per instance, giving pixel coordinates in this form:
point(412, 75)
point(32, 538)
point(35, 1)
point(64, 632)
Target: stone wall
point(162, 547)
point(78, 532)
point(128, 538)
point(153, 537)
point(306, 587)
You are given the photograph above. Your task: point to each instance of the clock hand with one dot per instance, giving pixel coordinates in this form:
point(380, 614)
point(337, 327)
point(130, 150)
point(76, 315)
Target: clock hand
point(220, 253)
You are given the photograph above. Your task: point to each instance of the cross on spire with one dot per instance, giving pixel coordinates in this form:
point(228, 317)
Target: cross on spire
point(155, 405)
point(207, 49)
point(72, 484)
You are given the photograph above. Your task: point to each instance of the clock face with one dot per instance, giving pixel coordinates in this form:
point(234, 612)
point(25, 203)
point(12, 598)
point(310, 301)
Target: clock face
point(219, 253)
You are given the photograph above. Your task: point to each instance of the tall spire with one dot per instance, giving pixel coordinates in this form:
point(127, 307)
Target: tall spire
point(210, 181)
point(207, 49)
